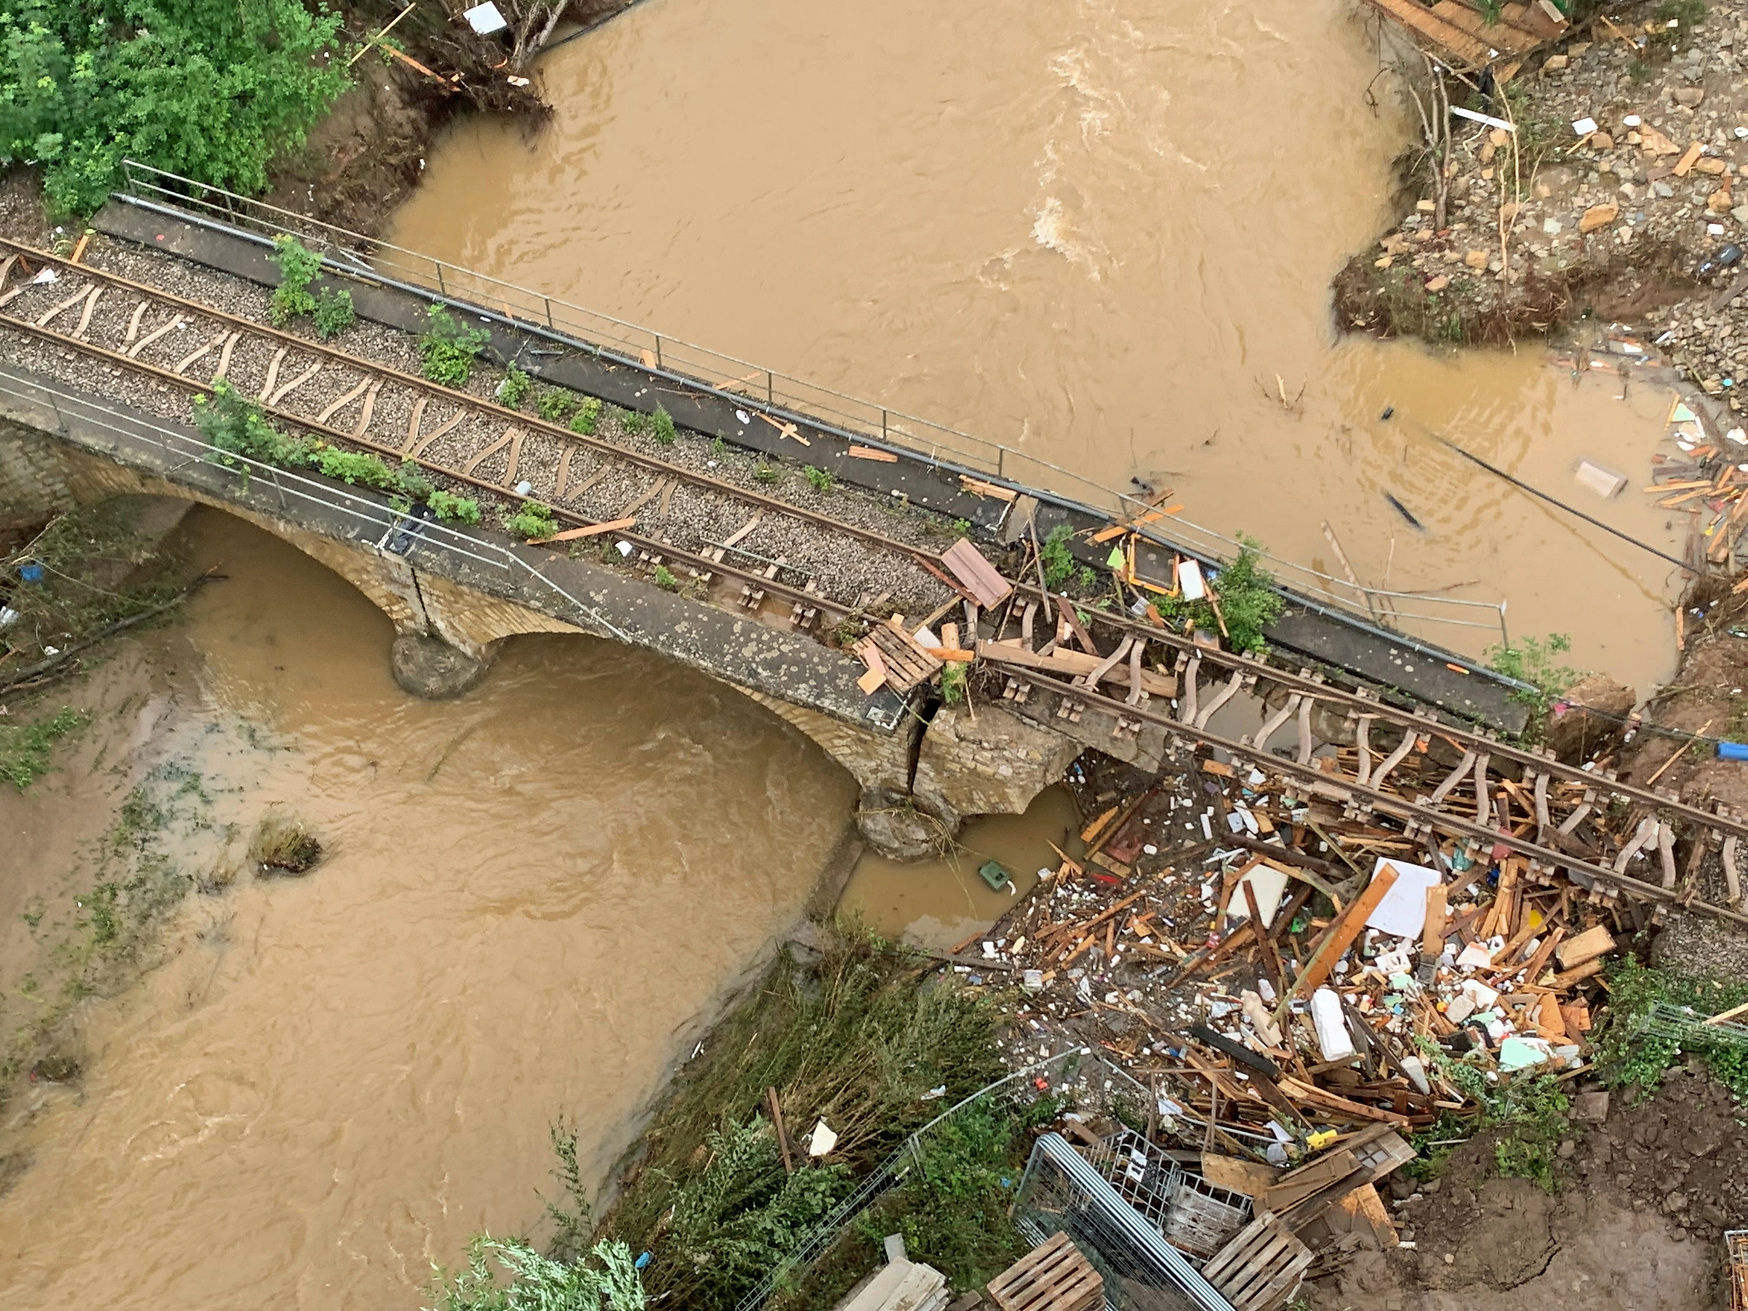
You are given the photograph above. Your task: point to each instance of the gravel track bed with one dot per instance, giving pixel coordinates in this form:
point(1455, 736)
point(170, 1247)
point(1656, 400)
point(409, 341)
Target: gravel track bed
point(696, 517)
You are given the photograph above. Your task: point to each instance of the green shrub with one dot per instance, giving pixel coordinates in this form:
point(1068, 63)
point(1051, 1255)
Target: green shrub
point(1059, 561)
point(819, 479)
point(953, 683)
point(334, 313)
point(555, 404)
point(1627, 1057)
point(461, 509)
point(766, 473)
point(587, 417)
point(664, 579)
point(356, 468)
point(411, 482)
point(449, 347)
point(1248, 600)
point(298, 267)
point(236, 424)
point(1533, 661)
point(532, 520)
point(856, 1038)
point(509, 1275)
point(514, 387)
point(211, 89)
point(634, 422)
point(664, 426)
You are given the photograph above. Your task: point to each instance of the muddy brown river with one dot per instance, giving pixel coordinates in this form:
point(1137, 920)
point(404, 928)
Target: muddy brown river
point(1102, 233)
point(532, 893)
point(1098, 232)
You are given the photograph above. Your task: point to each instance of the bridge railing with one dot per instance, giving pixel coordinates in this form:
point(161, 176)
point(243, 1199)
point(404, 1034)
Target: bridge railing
point(379, 527)
point(786, 395)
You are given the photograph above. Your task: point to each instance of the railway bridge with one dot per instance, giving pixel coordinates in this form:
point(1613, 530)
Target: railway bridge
point(710, 519)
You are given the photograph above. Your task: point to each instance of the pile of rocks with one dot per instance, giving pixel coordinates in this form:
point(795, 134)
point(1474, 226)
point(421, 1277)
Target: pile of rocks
point(1614, 189)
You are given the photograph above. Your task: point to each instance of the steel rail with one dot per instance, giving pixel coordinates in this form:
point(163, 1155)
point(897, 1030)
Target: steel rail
point(484, 408)
point(1416, 721)
point(1410, 812)
point(692, 560)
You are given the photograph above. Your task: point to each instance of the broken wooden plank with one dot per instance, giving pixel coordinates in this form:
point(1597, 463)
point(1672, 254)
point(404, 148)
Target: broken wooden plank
point(590, 530)
point(982, 579)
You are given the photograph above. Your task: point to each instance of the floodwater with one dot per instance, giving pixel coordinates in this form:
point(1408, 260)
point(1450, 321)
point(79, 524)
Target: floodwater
point(530, 897)
point(940, 903)
point(1102, 232)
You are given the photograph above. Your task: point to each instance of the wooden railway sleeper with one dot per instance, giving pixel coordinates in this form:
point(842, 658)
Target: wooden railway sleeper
point(1395, 758)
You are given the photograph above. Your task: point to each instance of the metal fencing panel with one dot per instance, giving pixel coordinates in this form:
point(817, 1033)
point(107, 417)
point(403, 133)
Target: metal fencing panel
point(1061, 1192)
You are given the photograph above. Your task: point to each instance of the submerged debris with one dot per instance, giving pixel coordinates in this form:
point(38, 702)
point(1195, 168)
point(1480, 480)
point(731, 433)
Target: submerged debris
point(284, 845)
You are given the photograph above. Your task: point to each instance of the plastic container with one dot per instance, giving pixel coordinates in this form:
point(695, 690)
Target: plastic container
point(1333, 1039)
point(1733, 751)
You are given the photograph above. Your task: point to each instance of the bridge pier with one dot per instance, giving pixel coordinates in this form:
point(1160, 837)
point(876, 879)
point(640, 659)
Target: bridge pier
point(428, 667)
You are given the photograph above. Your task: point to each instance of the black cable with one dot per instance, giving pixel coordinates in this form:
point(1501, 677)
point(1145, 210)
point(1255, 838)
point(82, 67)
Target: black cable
point(1494, 469)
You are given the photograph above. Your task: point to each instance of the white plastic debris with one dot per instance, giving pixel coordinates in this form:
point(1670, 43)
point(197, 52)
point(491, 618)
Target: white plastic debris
point(1583, 126)
point(625, 549)
point(824, 1139)
point(1189, 577)
point(1593, 477)
point(485, 18)
point(1333, 1039)
point(44, 278)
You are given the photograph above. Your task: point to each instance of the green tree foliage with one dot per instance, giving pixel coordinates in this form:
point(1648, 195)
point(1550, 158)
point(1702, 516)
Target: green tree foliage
point(509, 1275)
point(207, 88)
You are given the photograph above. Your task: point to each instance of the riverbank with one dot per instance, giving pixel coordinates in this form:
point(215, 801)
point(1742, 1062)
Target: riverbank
point(1538, 1114)
point(1605, 192)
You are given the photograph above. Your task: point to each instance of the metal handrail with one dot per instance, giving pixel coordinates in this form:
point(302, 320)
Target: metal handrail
point(287, 483)
point(744, 381)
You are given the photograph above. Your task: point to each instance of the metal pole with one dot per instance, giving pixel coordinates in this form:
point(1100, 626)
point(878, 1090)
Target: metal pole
point(770, 388)
point(882, 423)
point(1504, 636)
point(658, 338)
point(549, 323)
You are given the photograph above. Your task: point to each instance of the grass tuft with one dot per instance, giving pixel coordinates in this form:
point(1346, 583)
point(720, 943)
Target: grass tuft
point(284, 844)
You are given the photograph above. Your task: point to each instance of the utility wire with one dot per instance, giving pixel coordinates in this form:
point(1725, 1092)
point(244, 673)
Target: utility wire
point(1495, 470)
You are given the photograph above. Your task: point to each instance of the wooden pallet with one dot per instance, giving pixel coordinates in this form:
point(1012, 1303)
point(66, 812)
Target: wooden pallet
point(1261, 1267)
point(904, 663)
point(1053, 1276)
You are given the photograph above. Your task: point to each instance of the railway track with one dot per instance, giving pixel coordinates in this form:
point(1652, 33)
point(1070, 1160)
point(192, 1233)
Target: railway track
point(1554, 817)
point(352, 401)
point(1405, 767)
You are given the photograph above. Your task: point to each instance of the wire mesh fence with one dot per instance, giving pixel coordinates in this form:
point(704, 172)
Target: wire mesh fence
point(1684, 1025)
point(1016, 1092)
point(356, 255)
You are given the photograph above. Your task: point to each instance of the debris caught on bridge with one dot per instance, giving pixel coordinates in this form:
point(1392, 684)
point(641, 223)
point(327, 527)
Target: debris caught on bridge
point(1300, 984)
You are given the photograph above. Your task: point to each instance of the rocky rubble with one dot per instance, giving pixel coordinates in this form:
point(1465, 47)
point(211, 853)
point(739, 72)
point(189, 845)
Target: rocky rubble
point(1616, 193)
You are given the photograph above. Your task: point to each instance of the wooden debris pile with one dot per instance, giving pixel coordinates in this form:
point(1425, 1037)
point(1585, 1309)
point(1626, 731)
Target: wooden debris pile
point(1706, 480)
point(1461, 37)
point(1294, 982)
